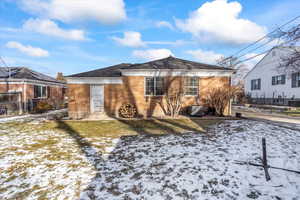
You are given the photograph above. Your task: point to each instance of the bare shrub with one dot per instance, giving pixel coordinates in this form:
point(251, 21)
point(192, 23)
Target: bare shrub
point(173, 103)
point(43, 106)
point(219, 98)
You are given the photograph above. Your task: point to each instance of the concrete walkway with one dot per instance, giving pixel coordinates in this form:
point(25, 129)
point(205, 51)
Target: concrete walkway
point(47, 115)
point(276, 119)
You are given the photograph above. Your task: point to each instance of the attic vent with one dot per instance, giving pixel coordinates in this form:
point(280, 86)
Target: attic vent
point(273, 53)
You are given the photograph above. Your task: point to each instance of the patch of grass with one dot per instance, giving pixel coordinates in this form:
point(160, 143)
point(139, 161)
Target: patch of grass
point(293, 113)
point(116, 128)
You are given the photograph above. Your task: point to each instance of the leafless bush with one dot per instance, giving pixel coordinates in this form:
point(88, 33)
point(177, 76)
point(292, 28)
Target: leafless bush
point(173, 103)
point(219, 98)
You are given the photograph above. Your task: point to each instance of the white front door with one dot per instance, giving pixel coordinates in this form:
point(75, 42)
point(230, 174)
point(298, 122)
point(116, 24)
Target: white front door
point(97, 98)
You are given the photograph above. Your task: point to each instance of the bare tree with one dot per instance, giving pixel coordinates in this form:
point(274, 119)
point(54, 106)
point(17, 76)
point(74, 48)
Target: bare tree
point(290, 62)
point(172, 101)
point(241, 70)
point(219, 98)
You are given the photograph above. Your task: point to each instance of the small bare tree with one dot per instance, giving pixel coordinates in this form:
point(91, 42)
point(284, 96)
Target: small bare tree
point(290, 62)
point(219, 98)
point(172, 101)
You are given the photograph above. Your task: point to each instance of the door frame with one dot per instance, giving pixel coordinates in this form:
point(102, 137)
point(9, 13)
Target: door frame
point(92, 110)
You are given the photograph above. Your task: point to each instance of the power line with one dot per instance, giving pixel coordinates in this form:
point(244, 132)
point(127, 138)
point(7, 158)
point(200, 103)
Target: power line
point(256, 48)
point(290, 21)
point(252, 57)
point(3, 62)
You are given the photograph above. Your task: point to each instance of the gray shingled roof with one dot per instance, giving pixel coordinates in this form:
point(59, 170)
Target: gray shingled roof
point(165, 63)
point(175, 63)
point(25, 73)
point(112, 71)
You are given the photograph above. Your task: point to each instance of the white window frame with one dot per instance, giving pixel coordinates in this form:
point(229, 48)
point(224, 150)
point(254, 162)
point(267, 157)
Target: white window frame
point(145, 87)
point(41, 88)
point(194, 86)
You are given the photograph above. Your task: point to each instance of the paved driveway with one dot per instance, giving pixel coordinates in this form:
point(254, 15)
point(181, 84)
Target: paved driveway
point(278, 119)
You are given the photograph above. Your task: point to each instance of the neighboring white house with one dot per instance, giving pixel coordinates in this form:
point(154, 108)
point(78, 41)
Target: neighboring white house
point(267, 84)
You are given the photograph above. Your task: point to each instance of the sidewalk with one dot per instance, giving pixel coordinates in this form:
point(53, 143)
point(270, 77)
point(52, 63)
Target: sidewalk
point(43, 116)
point(274, 118)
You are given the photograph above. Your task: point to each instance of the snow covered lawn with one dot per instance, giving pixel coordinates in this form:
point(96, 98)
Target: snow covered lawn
point(48, 164)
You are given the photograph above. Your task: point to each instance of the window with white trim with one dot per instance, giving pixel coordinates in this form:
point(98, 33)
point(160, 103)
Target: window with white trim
point(40, 91)
point(154, 86)
point(191, 86)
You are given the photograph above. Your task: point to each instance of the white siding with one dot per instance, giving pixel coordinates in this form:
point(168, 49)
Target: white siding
point(264, 70)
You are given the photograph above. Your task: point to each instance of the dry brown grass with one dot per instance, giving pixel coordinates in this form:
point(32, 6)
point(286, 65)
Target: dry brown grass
point(116, 128)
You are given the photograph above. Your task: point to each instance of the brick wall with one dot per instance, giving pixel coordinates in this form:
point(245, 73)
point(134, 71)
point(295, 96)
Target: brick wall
point(56, 96)
point(78, 100)
point(132, 91)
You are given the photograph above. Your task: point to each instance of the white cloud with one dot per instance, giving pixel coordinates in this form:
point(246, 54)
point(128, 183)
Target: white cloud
point(219, 20)
point(165, 24)
point(49, 27)
point(171, 43)
point(152, 54)
point(28, 50)
point(208, 57)
point(131, 39)
point(104, 11)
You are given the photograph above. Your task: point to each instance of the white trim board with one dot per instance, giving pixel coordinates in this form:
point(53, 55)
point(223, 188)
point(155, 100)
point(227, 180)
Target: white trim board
point(94, 80)
point(192, 73)
point(30, 82)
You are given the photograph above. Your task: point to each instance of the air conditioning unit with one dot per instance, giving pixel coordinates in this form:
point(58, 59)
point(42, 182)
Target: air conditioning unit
point(197, 111)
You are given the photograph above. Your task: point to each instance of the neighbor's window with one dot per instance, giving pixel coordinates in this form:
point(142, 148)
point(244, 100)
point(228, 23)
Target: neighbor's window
point(296, 80)
point(40, 91)
point(278, 80)
point(191, 86)
point(255, 84)
point(154, 86)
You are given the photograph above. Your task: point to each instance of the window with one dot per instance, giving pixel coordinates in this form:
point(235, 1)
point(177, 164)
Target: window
point(255, 84)
point(40, 91)
point(191, 86)
point(278, 80)
point(296, 80)
point(154, 86)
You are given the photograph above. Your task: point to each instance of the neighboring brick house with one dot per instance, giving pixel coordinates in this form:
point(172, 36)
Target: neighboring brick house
point(143, 85)
point(32, 87)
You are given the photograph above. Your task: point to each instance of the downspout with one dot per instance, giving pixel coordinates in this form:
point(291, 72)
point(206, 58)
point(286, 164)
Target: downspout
point(24, 96)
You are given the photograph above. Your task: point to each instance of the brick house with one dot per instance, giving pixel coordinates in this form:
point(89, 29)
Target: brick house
point(31, 86)
point(143, 85)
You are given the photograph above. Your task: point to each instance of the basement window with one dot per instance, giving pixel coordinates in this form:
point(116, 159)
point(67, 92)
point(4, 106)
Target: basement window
point(154, 86)
point(40, 91)
point(191, 86)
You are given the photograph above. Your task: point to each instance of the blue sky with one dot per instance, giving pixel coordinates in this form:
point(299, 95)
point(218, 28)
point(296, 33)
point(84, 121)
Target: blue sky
point(72, 36)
